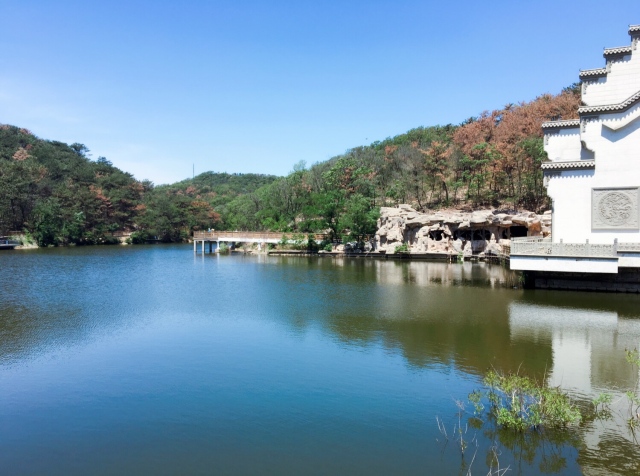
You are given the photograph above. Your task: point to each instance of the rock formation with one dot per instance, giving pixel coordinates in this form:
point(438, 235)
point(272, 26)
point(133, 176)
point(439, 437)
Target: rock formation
point(482, 232)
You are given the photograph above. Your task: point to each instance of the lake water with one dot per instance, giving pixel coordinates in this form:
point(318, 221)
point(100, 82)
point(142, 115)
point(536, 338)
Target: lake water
point(150, 360)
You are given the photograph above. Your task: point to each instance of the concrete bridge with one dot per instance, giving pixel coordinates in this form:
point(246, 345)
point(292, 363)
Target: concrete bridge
point(260, 237)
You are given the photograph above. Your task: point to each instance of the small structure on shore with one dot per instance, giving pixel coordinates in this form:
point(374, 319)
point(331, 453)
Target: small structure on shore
point(593, 179)
point(7, 243)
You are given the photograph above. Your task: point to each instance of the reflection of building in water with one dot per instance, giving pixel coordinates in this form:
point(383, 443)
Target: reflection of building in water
point(588, 349)
point(588, 346)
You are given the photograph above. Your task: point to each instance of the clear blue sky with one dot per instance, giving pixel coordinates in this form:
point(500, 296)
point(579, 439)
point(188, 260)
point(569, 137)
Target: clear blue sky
point(256, 86)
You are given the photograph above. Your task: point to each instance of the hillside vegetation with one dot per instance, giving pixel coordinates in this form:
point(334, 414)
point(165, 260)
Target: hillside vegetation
point(59, 195)
point(490, 160)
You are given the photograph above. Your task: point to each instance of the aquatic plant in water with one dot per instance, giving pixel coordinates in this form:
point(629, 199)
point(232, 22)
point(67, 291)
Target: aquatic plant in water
point(529, 419)
point(521, 403)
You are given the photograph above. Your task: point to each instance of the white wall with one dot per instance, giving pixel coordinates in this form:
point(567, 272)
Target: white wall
point(570, 191)
point(615, 142)
point(564, 264)
point(621, 82)
point(564, 145)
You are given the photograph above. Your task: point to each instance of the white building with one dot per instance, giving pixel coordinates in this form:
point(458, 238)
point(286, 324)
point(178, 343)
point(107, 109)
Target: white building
point(593, 175)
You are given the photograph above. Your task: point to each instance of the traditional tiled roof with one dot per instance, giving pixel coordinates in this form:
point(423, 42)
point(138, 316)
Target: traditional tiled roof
point(634, 29)
point(618, 50)
point(591, 73)
point(561, 124)
point(624, 105)
point(574, 164)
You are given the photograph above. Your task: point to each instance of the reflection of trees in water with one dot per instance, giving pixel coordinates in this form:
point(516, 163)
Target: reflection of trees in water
point(421, 309)
point(464, 326)
point(435, 341)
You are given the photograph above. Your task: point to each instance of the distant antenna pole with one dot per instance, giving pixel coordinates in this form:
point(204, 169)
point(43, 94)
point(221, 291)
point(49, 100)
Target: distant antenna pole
point(194, 171)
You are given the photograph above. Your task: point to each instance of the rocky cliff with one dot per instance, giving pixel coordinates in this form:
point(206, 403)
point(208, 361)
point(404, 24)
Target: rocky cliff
point(482, 232)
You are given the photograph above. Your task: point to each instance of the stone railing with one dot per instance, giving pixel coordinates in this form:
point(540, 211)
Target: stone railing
point(628, 247)
point(544, 247)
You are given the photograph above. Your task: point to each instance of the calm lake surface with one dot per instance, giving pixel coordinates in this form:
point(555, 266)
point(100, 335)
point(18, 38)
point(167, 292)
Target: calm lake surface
point(150, 360)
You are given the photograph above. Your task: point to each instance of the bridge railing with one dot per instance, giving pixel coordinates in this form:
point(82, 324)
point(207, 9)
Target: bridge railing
point(240, 236)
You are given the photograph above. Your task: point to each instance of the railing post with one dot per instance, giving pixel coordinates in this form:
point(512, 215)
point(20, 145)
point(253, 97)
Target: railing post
point(615, 246)
point(588, 248)
point(561, 247)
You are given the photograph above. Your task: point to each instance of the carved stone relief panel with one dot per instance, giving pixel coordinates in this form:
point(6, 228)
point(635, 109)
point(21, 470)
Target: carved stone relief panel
point(615, 208)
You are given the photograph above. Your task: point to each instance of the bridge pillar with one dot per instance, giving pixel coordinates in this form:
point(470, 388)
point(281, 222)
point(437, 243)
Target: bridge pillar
point(195, 243)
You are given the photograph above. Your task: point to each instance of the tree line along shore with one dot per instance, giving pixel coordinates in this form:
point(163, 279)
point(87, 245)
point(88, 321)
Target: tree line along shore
point(57, 194)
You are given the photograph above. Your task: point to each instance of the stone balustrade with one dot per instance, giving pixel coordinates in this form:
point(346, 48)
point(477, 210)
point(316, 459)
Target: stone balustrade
point(545, 247)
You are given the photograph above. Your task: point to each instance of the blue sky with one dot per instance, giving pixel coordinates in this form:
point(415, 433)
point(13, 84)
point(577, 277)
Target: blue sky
point(256, 86)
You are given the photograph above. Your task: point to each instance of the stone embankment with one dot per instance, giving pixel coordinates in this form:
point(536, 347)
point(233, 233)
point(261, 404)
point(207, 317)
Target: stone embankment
point(479, 233)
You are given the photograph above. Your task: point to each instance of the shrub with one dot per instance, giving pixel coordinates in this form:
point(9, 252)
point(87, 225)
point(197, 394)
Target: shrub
point(138, 237)
point(403, 248)
point(312, 245)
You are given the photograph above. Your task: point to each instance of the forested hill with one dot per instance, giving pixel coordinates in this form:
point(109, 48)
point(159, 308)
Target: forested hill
point(55, 192)
point(173, 212)
point(490, 160)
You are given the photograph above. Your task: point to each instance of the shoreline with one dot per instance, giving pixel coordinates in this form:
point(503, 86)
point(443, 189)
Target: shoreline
point(449, 257)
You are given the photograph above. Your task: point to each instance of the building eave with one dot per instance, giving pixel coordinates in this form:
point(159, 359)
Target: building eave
point(611, 108)
point(565, 124)
point(618, 50)
point(569, 165)
point(593, 73)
